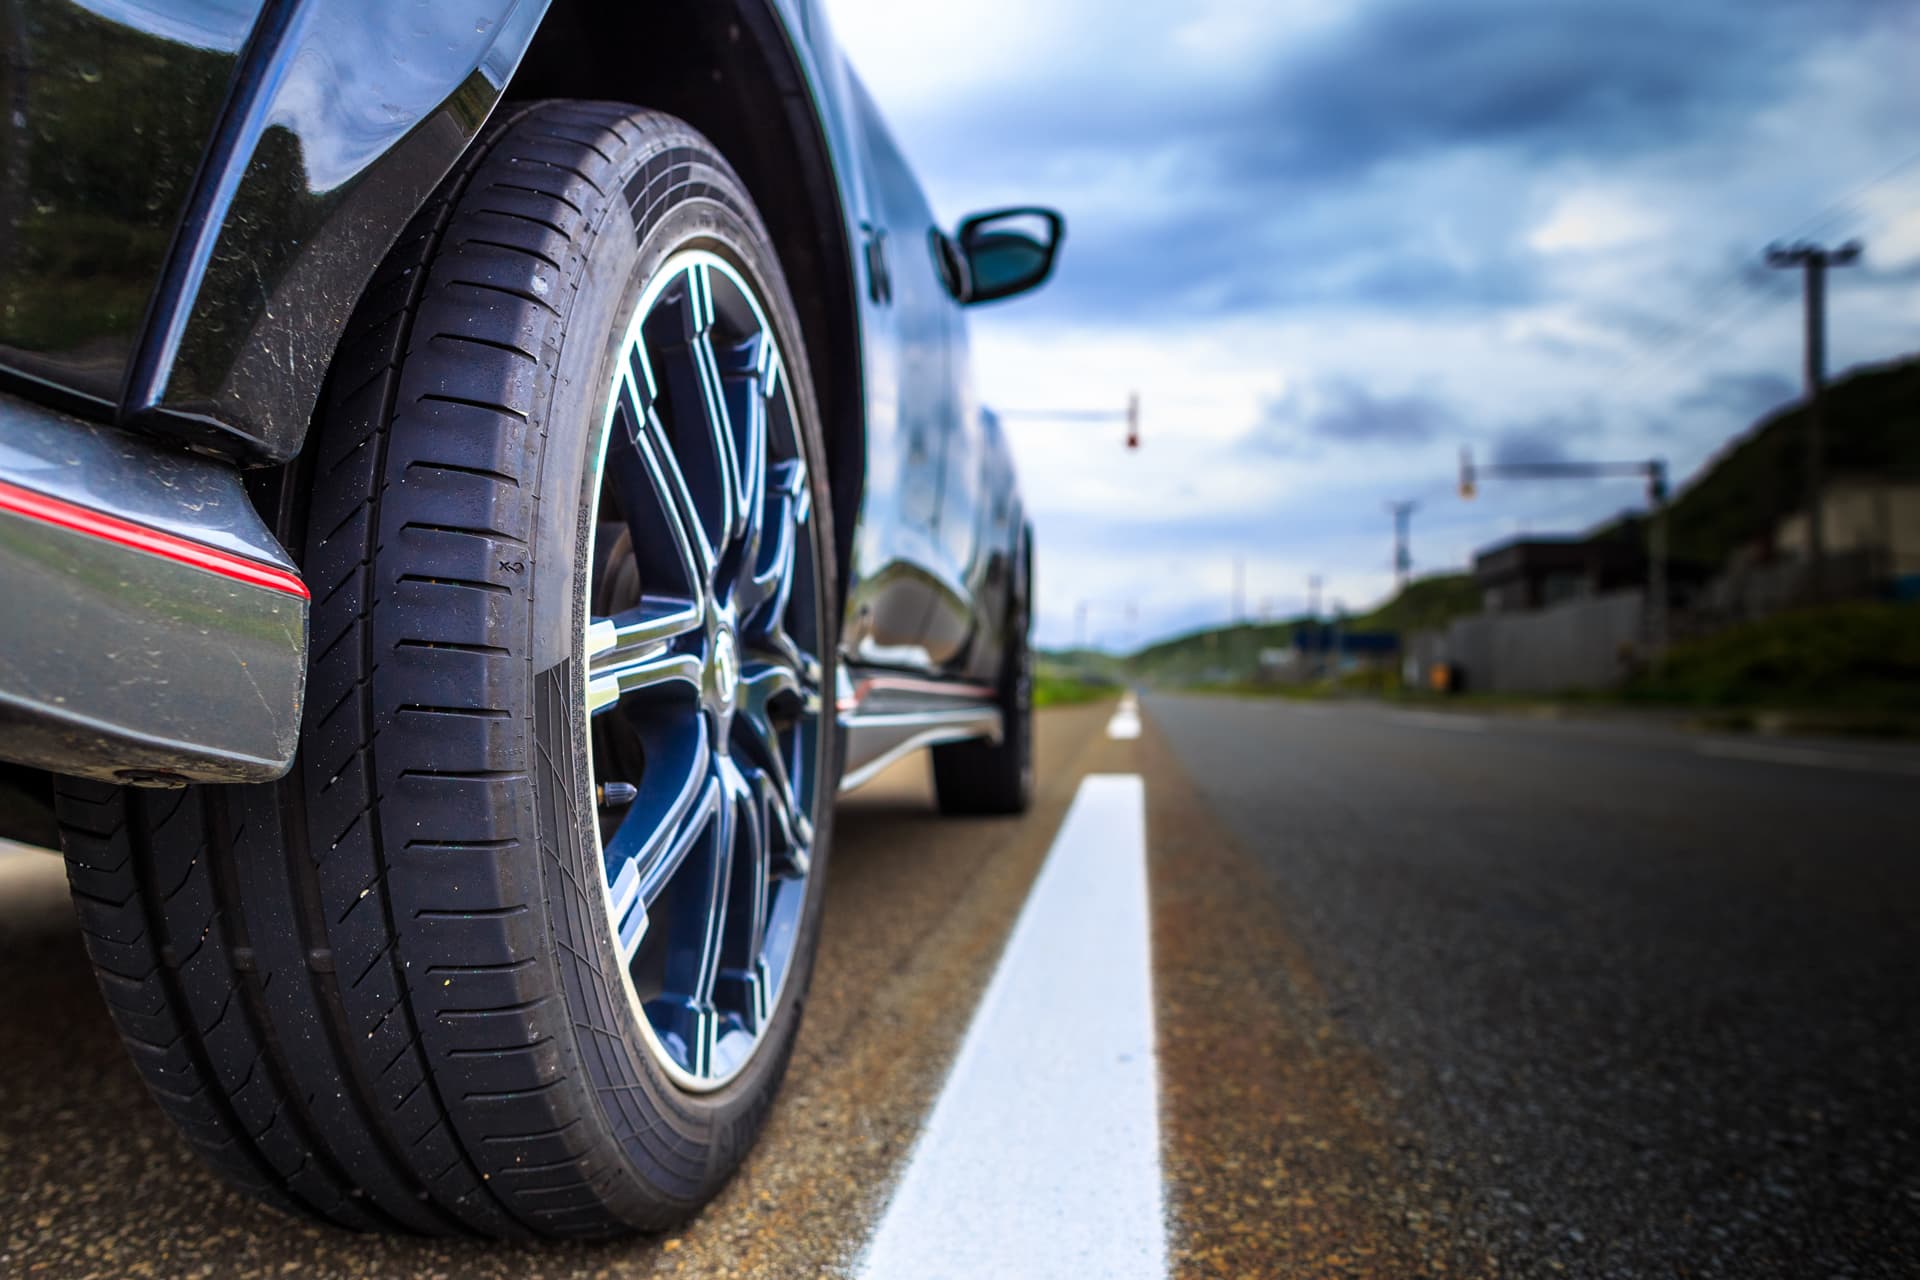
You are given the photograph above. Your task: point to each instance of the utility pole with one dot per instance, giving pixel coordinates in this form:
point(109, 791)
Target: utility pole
point(1657, 600)
point(1813, 261)
point(1313, 596)
point(1402, 556)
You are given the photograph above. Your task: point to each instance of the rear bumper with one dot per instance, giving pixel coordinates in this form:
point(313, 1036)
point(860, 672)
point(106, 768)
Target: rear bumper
point(151, 628)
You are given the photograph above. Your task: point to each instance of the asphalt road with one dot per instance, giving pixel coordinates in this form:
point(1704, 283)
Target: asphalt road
point(1431, 996)
point(1596, 1000)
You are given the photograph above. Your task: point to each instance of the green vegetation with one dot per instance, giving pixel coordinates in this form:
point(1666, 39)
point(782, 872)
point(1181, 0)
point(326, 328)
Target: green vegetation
point(1065, 691)
point(1069, 677)
point(1862, 657)
point(1424, 604)
point(1873, 425)
point(1229, 657)
point(1210, 656)
point(1091, 665)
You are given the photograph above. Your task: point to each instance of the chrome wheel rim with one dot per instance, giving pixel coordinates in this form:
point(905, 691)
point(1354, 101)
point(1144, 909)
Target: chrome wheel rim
point(702, 644)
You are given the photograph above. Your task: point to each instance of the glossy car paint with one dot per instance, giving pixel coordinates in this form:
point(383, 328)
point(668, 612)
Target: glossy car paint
point(108, 108)
point(335, 118)
point(167, 639)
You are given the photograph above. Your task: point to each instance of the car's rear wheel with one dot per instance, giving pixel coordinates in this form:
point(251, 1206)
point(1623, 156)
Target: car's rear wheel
point(984, 777)
point(520, 946)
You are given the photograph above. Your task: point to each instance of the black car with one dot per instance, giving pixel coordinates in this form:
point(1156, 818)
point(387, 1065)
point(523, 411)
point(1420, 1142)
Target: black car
point(476, 479)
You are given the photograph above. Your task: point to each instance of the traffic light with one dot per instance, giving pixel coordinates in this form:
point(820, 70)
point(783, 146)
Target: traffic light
point(1133, 420)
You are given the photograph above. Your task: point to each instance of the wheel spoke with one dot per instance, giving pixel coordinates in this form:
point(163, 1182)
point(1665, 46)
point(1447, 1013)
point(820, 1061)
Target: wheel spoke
point(789, 503)
point(743, 371)
point(693, 951)
point(718, 882)
point(654, 672)
point(739, 982)
point(692, 408)
point(638, 634)
point(674, 554)
point(784, 838)
point(761, 685)
point(663, 824)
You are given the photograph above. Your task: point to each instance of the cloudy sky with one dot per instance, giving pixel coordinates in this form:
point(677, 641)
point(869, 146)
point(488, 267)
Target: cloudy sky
point(1330, 242)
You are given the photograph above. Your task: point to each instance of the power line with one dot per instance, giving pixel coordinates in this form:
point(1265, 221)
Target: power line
point(1729, 301)
point(1811, 224)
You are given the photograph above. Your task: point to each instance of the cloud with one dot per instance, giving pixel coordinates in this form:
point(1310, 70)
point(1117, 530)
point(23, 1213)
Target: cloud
point(1402, 155)
point(1543, 440)
point(1742, 396)
point(1549, 80)
point(1535, 228)
point(1595, 219)
point(1340, 411)
point(1354, 415)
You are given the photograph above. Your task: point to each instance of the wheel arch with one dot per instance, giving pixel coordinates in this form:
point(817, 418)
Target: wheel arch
point(737, 73)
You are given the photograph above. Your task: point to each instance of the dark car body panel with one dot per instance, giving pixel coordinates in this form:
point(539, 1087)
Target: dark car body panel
point(108, 109)
point(312, 131)
point(196, 192)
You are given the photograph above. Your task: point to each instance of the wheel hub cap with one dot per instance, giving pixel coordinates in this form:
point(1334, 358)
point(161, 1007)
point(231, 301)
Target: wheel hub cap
point(725, 671)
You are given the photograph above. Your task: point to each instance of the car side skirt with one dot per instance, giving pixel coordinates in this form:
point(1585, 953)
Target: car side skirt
point(886, 716)
point(152, 630)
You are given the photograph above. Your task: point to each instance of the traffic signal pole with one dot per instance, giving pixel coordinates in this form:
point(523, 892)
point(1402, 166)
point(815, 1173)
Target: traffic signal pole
point(1129, 415)
point(1655, 472)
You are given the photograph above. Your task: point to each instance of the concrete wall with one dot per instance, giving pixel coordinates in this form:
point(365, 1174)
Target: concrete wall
point(1881, 517)
point(1587, 643)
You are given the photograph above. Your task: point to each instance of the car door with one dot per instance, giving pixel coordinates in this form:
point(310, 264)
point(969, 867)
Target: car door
point(907, 605)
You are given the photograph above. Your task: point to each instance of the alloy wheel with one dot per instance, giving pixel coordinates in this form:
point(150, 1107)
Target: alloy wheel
point(703, 669)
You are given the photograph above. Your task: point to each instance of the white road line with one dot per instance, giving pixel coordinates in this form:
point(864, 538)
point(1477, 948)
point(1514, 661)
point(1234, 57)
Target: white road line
point(1126, 720)
point(1769, 753)
point(1440, 720)
point(1042, 1157)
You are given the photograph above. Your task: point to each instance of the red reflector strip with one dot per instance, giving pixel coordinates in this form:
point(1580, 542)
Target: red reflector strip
point(138, 537)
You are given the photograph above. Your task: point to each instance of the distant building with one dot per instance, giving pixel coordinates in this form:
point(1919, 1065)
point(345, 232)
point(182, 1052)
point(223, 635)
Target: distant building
point(1535, 573)
point(1876, 518)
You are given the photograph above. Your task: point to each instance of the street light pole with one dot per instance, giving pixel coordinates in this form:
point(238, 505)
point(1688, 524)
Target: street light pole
point(1813, 261)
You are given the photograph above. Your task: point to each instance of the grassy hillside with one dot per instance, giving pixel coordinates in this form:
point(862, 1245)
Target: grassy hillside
point(1214, 654)
point(1873, 424)
point(1863, 657)
point(1090, 665)
point(1217, 655)
point(1425, 603)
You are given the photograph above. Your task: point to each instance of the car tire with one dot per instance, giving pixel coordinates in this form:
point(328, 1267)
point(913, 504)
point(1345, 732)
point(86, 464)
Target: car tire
point(396, 989)
point(981, 777)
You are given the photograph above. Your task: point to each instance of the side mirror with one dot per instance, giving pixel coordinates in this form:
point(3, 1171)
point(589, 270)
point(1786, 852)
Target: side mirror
point(1006, 252)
